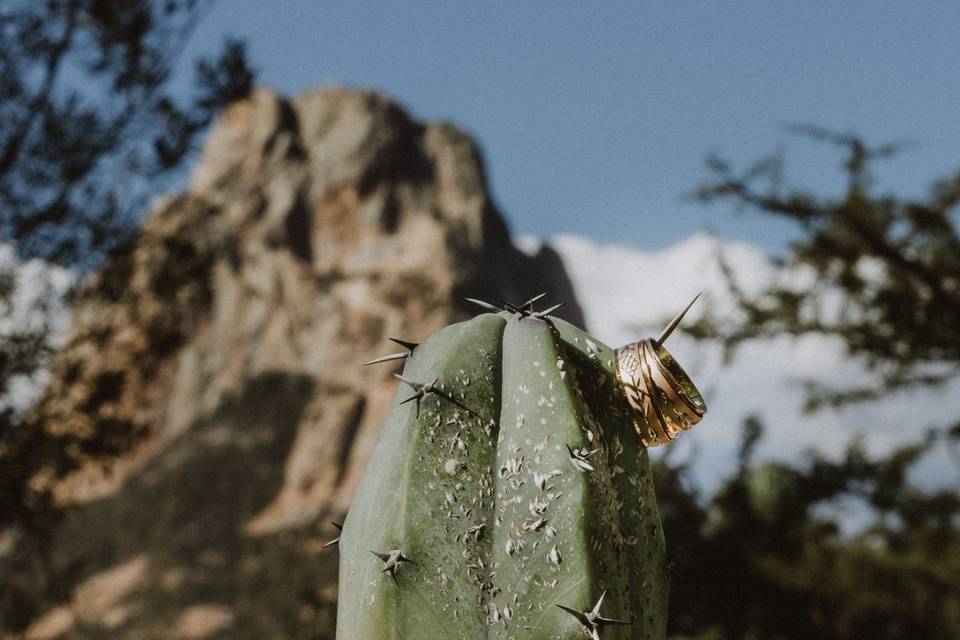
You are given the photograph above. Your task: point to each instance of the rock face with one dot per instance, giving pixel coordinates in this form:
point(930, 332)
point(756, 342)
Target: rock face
point(221, 352)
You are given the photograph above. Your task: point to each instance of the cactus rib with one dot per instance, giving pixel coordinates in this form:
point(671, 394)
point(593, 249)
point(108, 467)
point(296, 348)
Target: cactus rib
point(515, 482)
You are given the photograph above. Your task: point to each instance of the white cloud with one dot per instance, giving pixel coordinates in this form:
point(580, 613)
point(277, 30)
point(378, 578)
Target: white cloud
point(36, 301)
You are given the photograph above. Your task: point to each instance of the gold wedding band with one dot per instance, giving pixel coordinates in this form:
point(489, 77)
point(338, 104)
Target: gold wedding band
point(661, 396)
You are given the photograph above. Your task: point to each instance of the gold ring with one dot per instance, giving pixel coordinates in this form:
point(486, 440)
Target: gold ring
point(661, 396)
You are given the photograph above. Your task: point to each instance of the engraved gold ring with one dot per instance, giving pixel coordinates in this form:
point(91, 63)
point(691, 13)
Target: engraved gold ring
point(661, 396)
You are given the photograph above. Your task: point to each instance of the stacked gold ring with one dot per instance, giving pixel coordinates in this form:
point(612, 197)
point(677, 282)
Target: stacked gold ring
point(663, 399)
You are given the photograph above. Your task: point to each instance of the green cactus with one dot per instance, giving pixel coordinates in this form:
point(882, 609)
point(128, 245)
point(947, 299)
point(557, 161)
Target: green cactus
point(508, 496)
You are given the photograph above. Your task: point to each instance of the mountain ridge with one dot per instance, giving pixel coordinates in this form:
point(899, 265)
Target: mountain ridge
point(208, 414)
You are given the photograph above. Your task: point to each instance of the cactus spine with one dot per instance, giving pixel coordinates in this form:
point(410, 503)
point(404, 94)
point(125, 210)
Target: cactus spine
point(508, 496)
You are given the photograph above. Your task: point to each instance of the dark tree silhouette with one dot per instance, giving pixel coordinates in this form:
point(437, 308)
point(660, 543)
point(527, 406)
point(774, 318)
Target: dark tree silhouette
point(894, 262)
point(90, 129)
point(768, 556)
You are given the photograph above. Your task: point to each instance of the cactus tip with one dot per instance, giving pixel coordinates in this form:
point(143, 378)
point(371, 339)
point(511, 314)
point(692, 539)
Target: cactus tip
point(591, 621)
point(528, 305)
point(485, 305)
point(391, 561)
point(596, 608)
point(576, 614)
point(524, 309)
point(393, 356)
point(676, 320)
point(419, 388)
point(406, 344)
point(409, 346)
point(413, 383)
point(578, 458)
point(337, 539)
point(546, 312)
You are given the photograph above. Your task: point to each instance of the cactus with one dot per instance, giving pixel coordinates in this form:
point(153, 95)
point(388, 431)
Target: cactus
point(508, 496)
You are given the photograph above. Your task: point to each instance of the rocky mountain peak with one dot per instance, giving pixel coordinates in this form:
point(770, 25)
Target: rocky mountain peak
point(220, 354)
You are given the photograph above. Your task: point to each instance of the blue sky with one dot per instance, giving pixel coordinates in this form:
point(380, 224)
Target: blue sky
point(596, 121)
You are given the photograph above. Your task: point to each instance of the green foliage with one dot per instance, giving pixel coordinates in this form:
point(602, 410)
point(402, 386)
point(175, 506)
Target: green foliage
point(512, 483)
point(885, 270)
point(767, 555)
point(90, 127)
point(773, 553)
